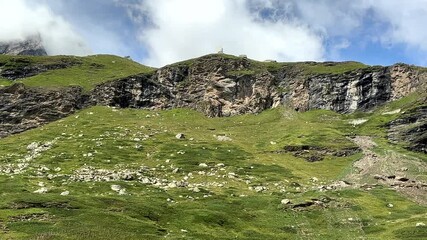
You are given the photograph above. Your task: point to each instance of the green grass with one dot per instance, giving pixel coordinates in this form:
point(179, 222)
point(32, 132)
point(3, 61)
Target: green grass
point(86, 72)
point(93, 210)
point(5, 82)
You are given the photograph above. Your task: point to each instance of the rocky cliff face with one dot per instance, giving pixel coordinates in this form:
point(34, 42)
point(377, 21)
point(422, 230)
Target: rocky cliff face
point(224, 87)
point(31, 46)
point(23, 108)
point(219, 86)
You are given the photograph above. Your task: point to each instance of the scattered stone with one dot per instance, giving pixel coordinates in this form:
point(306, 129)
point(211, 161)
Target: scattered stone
point(420, 224)
point(392, 112)
point(196, 189)
point(41, 190)
point(314, 179)
point(285, 201)
point(390, 205)
point(402, 179)
point(356, 122)
point(273, 143)
point(203, 165)
point(116, 188)
point(180, 136)
point(260, 188)
point(223, 138)
point(65, 193)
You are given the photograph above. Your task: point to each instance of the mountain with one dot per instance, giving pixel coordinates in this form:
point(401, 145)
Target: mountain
point(216, 147)
point(31, 46)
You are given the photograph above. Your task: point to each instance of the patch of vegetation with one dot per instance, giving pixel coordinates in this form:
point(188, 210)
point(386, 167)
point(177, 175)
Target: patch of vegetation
point(86, 72)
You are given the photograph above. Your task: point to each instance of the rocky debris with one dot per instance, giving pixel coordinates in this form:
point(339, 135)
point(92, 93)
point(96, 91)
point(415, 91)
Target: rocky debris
point(119, 189)
point(222, 138)
point(35, 149)
point(65, 193)
point(203, 165)
point(41, 190)
point(23, 108)
point(30, 46)
point(356, 122)
point(410, 129)
point(316, 153)
point(180, 136)
point(392, 112)
point(41, 217)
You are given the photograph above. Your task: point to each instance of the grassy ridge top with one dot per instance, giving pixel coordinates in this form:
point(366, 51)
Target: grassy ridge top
point(308, 68)
point(86, 72)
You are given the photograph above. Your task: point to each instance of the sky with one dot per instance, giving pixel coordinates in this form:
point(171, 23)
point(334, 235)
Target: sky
point(160, 32)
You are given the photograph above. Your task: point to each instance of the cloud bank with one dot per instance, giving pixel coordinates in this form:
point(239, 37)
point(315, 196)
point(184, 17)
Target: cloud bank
point(189, 28)
point(22, 19)
point(292, 30)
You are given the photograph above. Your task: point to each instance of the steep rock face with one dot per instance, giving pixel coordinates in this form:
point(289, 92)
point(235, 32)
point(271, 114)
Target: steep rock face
point(31, 46)
point(217, 86)
point(211, 89)
point(360, 89)
point(22, 67)
point(23, 108)
point(135, 92)
point(411, 128)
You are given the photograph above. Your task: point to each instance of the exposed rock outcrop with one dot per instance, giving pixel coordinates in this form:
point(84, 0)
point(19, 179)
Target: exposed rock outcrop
point(31, 46)
point(218, 86)
point(23, 108)
point(411, 128)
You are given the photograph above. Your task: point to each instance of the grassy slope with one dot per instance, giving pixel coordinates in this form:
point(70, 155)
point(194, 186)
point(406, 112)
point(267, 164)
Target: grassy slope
point(86, 71)
point(230, 212)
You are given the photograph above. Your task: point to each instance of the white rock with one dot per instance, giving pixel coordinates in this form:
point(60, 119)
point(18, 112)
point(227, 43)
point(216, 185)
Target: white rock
point(204, 165)
point(392, 112)
point(259, 188)
point(41, 190)
point(356, 122)
point(285, 201)
point(273, 143)
point(223, 138)
point(180, 136)
point(32, 146)
point(122, 191)
point(390, 205)
point(115, 187)
point(65, 193)
point(420, 224)
point(196, 189)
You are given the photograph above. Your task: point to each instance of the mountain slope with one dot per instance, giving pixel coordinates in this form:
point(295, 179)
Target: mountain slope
point(335, 151)
point(31, 46)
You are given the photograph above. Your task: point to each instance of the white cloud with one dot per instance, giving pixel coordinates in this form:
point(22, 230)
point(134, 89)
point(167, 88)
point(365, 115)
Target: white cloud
point(189, 28)
point(21, 19)
point(407, 21)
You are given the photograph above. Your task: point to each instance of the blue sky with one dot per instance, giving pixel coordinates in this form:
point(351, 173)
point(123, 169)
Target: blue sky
point(159, 32)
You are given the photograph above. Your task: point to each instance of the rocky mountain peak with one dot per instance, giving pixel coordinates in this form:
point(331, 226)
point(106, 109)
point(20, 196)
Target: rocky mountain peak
point(30, 46)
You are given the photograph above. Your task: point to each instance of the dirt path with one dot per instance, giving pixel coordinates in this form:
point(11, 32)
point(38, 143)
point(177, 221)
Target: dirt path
point(404, 174)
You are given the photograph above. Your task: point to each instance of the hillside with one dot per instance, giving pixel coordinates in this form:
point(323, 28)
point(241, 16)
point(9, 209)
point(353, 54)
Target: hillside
point(218, 147)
